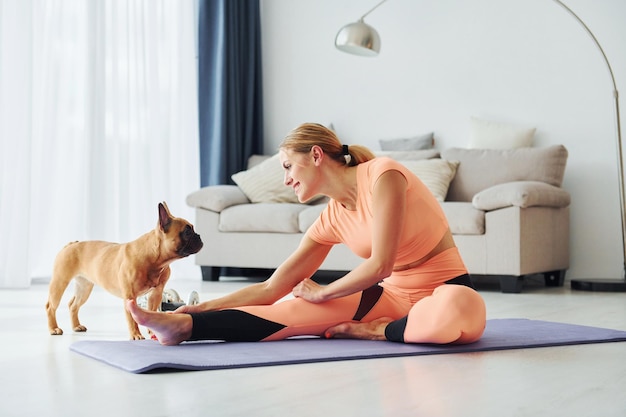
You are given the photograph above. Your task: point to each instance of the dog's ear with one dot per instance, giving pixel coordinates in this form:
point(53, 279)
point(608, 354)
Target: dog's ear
point(165, 218)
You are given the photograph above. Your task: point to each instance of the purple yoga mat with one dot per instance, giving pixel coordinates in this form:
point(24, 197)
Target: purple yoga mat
point(149, 355)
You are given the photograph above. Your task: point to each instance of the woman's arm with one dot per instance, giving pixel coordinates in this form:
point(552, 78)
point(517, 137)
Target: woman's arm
point(389, 204)
point(301, 264)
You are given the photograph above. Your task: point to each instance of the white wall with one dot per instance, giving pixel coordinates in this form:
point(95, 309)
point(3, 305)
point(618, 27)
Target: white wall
point(526, 62)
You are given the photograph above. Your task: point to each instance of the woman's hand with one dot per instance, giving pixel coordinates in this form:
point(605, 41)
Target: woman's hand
point(309, 290)
point(196, 308)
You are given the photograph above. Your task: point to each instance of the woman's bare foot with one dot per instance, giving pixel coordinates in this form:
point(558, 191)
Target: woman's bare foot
point(170, 329)
point(374, 330)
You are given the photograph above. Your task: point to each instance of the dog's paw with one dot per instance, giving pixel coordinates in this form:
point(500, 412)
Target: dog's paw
point(138, 336)
point(80, 328)
point(56, 331)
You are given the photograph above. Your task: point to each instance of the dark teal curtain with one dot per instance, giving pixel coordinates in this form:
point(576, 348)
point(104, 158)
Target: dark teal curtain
point(230, 94)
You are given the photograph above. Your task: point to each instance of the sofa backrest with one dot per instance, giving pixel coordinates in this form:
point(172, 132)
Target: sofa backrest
point(483, 168)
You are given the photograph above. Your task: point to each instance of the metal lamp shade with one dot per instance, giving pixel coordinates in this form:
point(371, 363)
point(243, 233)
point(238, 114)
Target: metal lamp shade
point(358, 38)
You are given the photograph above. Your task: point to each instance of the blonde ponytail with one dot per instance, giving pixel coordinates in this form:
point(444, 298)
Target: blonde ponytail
point(304, 137)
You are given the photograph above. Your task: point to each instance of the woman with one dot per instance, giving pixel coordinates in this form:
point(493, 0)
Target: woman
point(401, 291)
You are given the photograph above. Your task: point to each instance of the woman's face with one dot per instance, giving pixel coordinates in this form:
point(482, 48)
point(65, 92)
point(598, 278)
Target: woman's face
point(301, 173)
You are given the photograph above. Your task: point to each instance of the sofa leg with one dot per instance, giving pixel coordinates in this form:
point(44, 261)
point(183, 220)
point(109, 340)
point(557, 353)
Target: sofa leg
point(511, 283)
point(554, 278)
point(210, 273)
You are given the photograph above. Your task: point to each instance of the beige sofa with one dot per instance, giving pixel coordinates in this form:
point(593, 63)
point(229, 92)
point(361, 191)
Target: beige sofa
point(507, 211)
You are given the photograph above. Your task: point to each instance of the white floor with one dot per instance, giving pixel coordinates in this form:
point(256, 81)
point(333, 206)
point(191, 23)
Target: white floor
point(40, 376)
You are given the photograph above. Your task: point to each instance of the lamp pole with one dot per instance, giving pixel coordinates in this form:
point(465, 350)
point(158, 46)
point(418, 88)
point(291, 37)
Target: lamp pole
point(612, 285)
point(372, 9)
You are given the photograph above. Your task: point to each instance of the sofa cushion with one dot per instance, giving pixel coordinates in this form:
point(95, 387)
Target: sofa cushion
point(521, 194)
point(261, 217)
point(217, 197)
point(486, 134)
point(424, 141)
point(309, 215)
point(410, 155)
point(256, 159)
point(263, 183)
point(436, 174)
point(464, 218)
point(483, 168)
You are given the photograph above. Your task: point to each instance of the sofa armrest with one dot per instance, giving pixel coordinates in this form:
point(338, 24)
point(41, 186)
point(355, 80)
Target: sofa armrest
point(217, 197)
point(521, 194)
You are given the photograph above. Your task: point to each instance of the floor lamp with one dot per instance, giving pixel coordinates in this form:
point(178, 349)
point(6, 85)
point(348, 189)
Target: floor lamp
point(612, 285)
point(361, 39)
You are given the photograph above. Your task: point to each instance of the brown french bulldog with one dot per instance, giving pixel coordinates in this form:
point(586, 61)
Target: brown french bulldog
point(126, 270)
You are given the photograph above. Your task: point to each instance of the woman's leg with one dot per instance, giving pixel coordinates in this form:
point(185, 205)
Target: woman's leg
point(452, 314)
point(300, 317)
point(273, 322)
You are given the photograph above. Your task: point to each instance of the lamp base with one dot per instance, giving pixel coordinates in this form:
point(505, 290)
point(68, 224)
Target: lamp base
point(599, 285)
